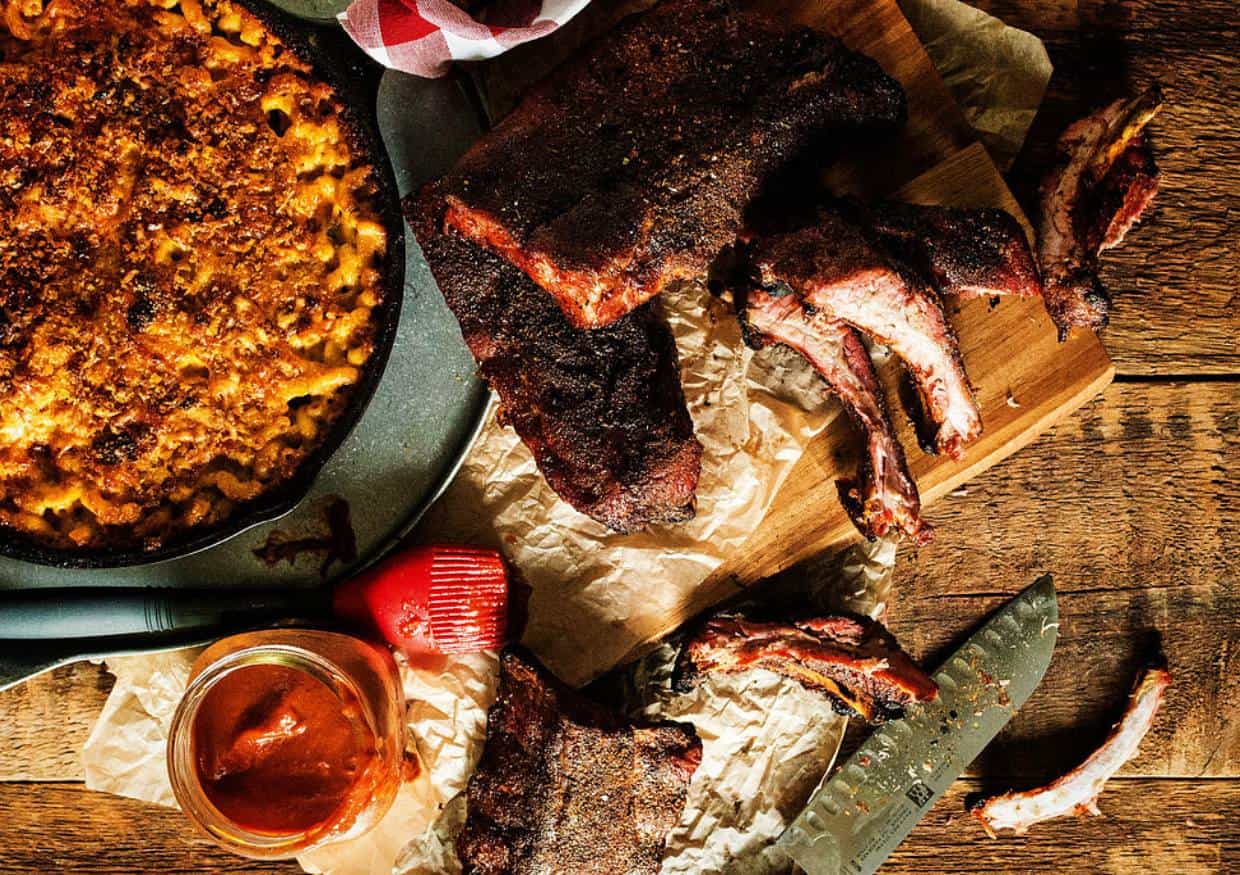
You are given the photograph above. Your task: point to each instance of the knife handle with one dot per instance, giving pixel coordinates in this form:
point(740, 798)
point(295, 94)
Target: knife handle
point(41, 614)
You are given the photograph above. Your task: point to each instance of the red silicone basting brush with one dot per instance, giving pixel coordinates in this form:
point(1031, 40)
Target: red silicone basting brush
point(432, 599)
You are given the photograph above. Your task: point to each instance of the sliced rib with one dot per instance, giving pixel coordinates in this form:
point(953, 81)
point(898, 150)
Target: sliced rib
point(884, 494)
point(567, 786)
point(835, 269)
point(629, 166)
point(1077, 792)
point(855, 662)
point(602, 411)
point(964, 251)
point(1104, 177)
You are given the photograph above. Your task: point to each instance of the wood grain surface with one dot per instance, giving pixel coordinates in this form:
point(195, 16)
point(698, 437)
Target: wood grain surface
point(1148, 826)
point(65, 828)
point(1131, 503)
point(47, 720)
point(1176, 277)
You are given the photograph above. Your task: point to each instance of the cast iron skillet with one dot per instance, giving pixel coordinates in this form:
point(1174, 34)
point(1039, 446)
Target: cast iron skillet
point(354, 79)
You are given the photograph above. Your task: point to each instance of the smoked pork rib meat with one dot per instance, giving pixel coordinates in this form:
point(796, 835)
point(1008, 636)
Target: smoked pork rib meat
point(837, 270)
point(1123, 195)
point(964, 251)
point(602, 411)
point(566, 786)
point(1104, 178)
point(629, 166)
point(855, 662)
point(884, 494)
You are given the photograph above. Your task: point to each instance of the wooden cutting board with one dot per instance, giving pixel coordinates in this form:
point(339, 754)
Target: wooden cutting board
point(1025, 380)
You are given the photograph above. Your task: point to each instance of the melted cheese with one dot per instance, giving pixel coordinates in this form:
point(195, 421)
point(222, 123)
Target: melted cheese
point(190, 262)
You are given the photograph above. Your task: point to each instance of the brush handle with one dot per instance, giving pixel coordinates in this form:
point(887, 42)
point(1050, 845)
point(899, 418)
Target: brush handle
point(41, 614)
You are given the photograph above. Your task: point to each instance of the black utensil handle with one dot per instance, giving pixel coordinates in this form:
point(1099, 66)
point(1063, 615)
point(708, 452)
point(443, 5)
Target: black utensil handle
point(36, 615)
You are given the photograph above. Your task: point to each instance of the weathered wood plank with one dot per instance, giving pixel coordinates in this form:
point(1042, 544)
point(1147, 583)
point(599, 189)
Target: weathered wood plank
point(65, 828)
point(1185, 827)
point(1180, 274)
point(1180, 826)
point(1046, 18)
point(1131, 506)
point(45, 722)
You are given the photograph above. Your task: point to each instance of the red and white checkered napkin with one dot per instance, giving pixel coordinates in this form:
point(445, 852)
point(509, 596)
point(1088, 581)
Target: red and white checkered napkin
point(424, 37)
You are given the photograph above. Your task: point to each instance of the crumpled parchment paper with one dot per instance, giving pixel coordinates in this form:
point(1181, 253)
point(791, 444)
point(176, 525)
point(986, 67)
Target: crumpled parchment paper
point(767, 743)
point(596, 593)
point(998, 74)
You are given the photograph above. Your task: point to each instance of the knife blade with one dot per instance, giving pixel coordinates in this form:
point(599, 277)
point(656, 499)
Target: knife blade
point(855, 820)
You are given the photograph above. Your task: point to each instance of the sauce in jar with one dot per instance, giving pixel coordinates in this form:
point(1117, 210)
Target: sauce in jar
point(278, 753)
point(287, 739)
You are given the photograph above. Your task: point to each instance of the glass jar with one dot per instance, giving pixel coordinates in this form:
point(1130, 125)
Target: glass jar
point(288, 739)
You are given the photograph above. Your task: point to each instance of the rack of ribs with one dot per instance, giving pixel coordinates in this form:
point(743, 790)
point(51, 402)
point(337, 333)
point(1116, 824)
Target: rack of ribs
point(629, 166)
point(1104, 179)
point(855, 662)
point(567, 786)
point(836, 269)
point(884, 494)
point(602, 411)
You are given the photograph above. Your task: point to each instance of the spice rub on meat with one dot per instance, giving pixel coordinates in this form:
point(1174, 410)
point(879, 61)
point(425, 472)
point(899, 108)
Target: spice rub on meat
point(602, 411)
point(192, 253)
point(630, 166)
point(567, 786)
point(880, 269)
point(1104, 179)
point(969, 252)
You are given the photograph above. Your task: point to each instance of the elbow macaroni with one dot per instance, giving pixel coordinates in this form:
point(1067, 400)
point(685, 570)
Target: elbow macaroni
point(193, 260)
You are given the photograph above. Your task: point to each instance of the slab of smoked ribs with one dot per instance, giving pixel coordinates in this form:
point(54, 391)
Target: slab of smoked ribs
point(630, 166)
point(602, 411)
point(565, 785)
point(835, 267)
point(971, 252)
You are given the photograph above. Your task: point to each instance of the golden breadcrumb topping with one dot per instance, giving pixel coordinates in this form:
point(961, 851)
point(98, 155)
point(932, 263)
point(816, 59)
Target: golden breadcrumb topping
point(190, 261)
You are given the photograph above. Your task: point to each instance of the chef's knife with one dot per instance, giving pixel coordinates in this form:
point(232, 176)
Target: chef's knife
point(866, 809)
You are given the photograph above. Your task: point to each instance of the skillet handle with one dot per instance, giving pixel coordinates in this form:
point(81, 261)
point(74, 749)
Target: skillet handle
point(41, 614)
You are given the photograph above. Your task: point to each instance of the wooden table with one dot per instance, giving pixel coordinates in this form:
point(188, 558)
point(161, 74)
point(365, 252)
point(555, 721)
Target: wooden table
point(1131, 503)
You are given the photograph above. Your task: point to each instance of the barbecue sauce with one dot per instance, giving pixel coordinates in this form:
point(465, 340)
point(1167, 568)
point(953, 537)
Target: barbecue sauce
point(279, 752)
